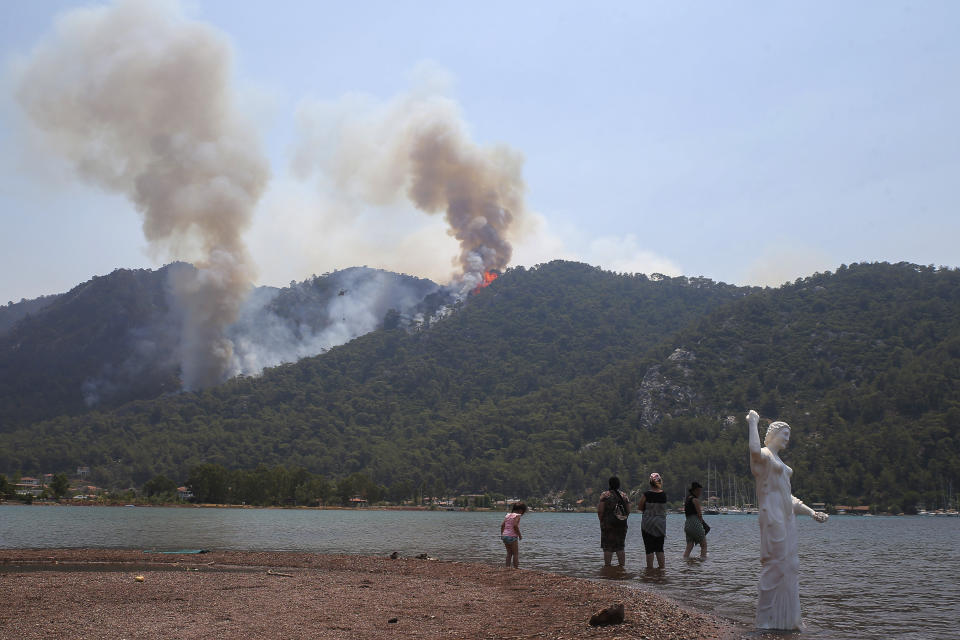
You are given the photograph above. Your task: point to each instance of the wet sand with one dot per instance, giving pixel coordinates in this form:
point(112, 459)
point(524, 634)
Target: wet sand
point(94, 593)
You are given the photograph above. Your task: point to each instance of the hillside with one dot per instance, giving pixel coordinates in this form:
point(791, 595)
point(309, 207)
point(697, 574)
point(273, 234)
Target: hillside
point(115, 338)
point(107, 338)
point(14, 312)
point(385, 401)
point(555, 377)
point(863, 363)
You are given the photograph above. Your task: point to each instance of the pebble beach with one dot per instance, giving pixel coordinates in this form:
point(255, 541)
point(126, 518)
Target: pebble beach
point(103, 593)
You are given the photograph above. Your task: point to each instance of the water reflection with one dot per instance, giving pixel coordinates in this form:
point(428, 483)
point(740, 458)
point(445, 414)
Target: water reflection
point(616, 572)
point(656, 576)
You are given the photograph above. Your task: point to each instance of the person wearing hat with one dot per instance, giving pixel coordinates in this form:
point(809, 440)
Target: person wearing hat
point(694, 528)
point(653, 526)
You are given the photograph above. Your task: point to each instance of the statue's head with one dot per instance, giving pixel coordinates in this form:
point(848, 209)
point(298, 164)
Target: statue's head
point(777, 429)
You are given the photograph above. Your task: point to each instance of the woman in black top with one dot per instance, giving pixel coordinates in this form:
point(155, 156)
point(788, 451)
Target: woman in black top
point(693, 528)
point(653, 503)
point(613, 510)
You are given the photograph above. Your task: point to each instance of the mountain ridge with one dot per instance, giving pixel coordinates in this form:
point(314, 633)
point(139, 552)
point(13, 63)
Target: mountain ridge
point(115, 338)
point(558, 375)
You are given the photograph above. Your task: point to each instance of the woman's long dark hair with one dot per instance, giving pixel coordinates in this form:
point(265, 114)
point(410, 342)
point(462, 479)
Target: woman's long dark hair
point(614, 484)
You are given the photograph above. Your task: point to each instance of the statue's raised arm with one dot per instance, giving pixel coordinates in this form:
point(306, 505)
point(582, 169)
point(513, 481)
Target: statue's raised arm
point(753, 419)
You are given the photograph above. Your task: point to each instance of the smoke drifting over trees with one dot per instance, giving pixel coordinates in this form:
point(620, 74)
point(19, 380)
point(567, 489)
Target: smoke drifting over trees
point(310, 317)
point(417, 146)
point(139, 100)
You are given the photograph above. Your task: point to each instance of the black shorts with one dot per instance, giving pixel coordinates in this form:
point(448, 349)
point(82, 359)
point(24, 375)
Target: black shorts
point(652, 544)
point(613, 537)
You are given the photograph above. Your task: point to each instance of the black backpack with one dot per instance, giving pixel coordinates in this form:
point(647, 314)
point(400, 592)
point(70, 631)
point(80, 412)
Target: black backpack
point(619, 512)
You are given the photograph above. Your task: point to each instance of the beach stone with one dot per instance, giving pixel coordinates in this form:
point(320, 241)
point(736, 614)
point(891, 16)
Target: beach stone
point(392, 620)
point(394, 555)
point(611, 615)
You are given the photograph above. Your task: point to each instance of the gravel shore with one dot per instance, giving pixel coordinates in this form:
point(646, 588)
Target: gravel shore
point(96, 593)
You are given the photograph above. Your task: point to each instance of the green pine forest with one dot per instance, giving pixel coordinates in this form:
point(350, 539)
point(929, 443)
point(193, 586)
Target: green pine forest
point(558, 376)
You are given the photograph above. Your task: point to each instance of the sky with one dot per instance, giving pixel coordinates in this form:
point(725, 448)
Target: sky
point(751, 143)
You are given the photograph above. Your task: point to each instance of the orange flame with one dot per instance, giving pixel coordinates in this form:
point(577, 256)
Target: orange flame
point(488, 277)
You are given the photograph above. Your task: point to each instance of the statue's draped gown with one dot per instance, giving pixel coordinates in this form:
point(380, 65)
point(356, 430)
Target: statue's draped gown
point(779, 603)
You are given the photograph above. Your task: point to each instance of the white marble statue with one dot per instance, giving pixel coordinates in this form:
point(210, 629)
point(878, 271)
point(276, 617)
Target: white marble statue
point(779, 603)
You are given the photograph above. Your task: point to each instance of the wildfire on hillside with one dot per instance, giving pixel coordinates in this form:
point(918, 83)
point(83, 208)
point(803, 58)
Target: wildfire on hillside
point(488, 277)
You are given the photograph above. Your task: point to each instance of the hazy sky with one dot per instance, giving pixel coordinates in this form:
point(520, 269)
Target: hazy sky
point(746, 142)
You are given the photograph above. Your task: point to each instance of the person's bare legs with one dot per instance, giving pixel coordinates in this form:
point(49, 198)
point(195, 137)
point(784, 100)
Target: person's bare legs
point(607, 557)
point(649, 561)
point(516, 553)
point(703, 549)
point(660, 559)
point(621, 557)
point(686, 554)
point(512, 549)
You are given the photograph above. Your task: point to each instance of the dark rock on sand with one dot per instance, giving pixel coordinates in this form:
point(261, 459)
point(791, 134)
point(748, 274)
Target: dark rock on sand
point(611, 615)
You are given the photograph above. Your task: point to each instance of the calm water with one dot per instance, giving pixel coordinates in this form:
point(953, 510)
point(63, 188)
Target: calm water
point(862, 577)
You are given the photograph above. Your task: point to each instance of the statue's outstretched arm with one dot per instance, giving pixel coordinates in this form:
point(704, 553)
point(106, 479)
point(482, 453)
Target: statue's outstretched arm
point(753, 419)
point(803, 510)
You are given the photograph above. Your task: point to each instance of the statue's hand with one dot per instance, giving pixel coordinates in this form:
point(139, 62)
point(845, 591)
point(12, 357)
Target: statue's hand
point(820, 516)
point(753, 418)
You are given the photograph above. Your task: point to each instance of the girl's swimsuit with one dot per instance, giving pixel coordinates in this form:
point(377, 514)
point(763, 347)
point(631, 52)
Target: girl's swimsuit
point(510, 532)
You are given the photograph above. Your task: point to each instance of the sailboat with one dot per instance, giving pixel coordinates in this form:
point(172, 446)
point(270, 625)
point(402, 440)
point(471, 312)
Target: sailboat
point(711, 506)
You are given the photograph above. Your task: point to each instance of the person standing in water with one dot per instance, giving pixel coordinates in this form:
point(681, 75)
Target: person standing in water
point(510, 533)
point(613, 509)
point(693, 527)
point(653, 526)
point(778, 606)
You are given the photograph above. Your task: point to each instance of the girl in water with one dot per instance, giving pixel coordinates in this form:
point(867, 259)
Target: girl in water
point(510, 533)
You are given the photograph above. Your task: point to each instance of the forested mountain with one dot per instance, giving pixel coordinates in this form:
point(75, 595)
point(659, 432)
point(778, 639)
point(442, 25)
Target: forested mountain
point(863, 363)
point(555, 377)
point(14, 312)
point(115, 338)
point(109, 337)
point(392, 390)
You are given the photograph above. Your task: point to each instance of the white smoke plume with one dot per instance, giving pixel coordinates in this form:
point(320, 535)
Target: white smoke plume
point(139, 99)
point(417, 146)
point(316, 315)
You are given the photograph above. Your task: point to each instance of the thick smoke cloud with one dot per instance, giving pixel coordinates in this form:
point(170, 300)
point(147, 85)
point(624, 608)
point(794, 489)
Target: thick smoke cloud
point(417, 146)
point(139, 100)
point(310, 317)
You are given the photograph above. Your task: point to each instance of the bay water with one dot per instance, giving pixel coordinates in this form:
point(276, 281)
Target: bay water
point(861, 577)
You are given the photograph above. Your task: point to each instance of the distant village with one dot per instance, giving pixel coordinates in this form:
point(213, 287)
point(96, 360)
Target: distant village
point(61, 489)
point(60, 486)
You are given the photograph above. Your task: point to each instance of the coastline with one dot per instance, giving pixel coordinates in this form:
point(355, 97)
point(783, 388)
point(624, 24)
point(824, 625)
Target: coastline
point(393, 507)
point(80, 593)
point(216, 505)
